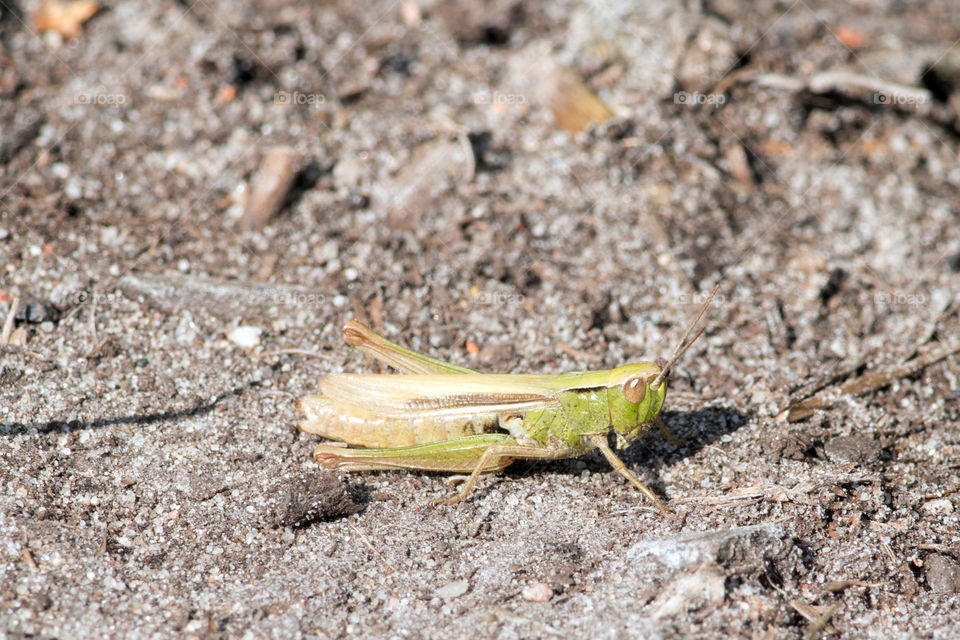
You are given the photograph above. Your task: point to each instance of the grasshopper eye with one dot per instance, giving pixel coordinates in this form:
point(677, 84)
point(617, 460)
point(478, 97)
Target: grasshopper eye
point(634, 390)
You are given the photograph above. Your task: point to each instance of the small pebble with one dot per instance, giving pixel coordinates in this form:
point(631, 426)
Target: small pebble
point(537, 592)
point(73, 190)
point(453, 589)
point(38, 313)
point(942, 573)
point(305, 497)
point(939, 507)
point(245, 336)
point(860, 450)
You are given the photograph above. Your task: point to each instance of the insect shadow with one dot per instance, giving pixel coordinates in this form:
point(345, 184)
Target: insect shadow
point(697, 429)
point(69, 426)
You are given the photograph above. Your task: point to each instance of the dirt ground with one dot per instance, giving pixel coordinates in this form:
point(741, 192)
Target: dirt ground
point(434, 181)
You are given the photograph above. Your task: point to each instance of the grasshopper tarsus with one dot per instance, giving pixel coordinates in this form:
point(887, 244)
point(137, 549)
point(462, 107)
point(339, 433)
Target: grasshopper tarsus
point(436, 502)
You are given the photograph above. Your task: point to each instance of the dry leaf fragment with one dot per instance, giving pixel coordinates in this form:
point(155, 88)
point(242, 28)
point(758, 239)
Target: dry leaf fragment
point(573, 105)
point(226, 93)
point(537, 77)
point(849, 37)
point(65, 18)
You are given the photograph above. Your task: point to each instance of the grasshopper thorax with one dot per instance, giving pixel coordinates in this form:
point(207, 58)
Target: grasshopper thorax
point(634, 401)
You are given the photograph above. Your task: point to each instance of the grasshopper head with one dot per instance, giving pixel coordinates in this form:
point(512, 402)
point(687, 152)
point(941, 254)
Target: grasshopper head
point(636, 391)
point(634, 400)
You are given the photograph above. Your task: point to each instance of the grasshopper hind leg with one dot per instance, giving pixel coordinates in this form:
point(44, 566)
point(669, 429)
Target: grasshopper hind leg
point(472, 454)
point(461, 455)
point(497, 452)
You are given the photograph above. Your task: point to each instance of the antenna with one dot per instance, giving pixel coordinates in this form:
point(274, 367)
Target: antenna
point(683, 345)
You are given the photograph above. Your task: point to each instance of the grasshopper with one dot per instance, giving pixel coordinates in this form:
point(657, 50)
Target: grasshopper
point(447, 418)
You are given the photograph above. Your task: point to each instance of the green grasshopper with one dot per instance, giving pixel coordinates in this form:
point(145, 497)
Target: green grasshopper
point(443, 417)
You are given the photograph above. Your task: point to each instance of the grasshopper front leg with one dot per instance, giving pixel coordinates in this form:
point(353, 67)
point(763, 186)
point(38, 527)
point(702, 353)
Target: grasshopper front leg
point(600, 441)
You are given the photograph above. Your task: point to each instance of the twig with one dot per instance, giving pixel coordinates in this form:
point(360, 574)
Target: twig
point(577, 353)
point(368, 545)
point(8, 323)
point(28, 558)
point(841, 585)
point(868, 89)
point(817, 624)
point(93, 321)
point(867, 383)
point(505, 614)
point(941, 548)
point(296, 352)
point(21, 349)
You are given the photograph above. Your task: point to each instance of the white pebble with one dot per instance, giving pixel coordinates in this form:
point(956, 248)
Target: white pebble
point(537, 592)
point(73, 190)
point(453, 589)
point(245, 336)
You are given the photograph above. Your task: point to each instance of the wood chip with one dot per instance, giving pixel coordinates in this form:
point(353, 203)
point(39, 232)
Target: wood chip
point(433, 169)
point(701, 588)
point(270, 188)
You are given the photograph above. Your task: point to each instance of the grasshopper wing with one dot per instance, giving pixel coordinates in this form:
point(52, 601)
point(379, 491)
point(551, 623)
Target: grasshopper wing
point(444, 395)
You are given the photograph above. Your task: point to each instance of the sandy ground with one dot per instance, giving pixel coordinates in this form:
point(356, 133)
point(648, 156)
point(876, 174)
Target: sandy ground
point(802, 155)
